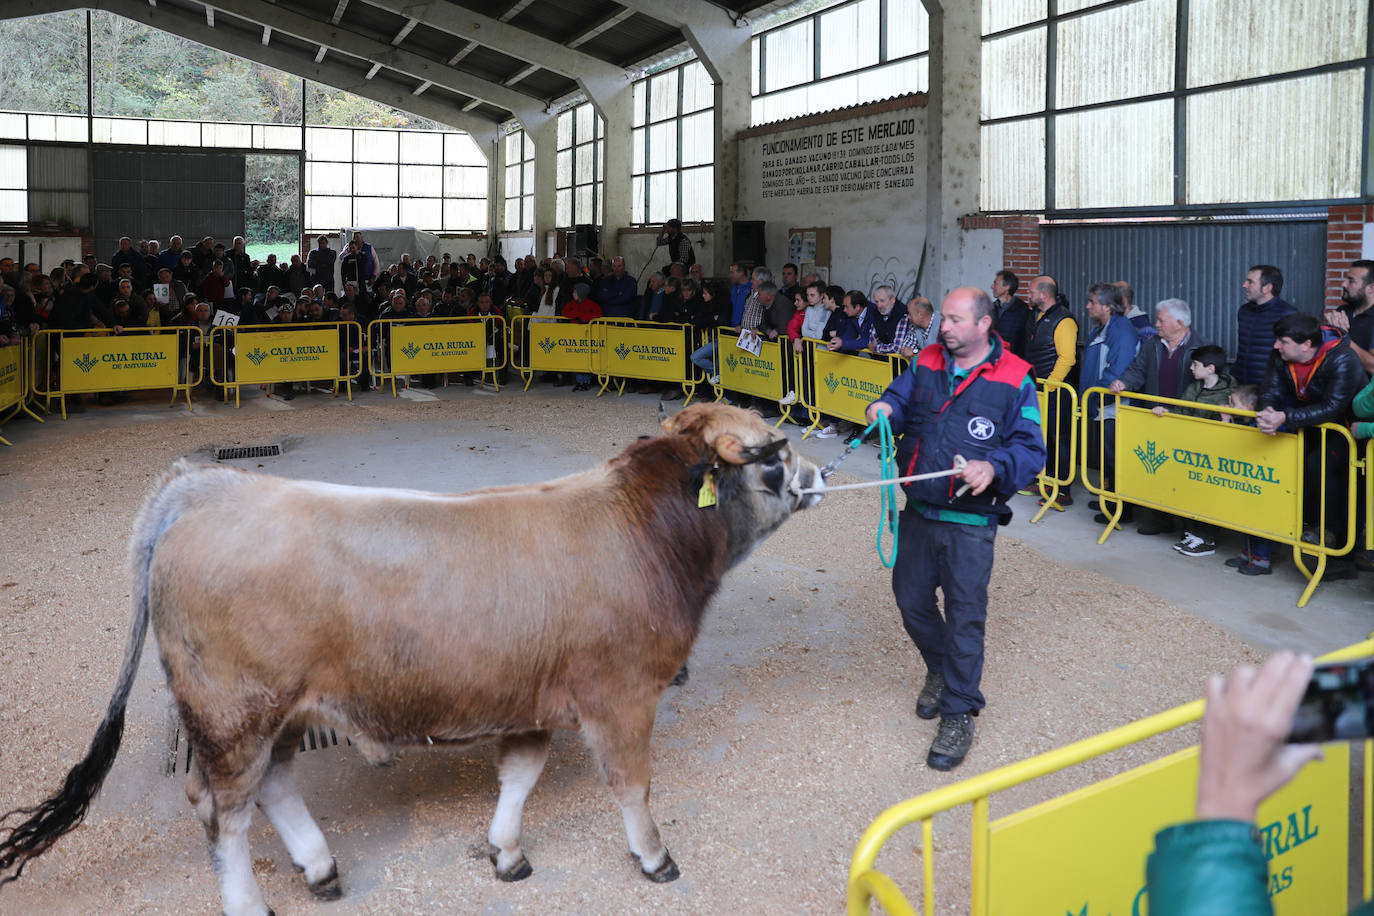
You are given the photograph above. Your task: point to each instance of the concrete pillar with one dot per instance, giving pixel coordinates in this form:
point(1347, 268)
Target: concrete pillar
point(496, 191)
point(954, 148)
point(545, 139)
point(724, 50)
point(614, 101)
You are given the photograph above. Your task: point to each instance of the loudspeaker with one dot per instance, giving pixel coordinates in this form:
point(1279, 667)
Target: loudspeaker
point(748, 245)
point(586, 240)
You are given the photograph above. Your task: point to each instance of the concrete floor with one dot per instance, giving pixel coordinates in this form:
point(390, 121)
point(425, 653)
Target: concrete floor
point(799, 682)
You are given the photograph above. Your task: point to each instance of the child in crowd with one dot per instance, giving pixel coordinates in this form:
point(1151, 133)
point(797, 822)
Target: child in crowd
point(1211, 384)
point(581, 310)
point(1244, 397)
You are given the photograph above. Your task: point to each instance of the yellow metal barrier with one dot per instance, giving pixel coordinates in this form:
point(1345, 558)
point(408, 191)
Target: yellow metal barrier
point(762, 376)
point(842, 384)
point(87, 362)
point(1226, 474)
point(1050, 481)
point(264, 354)
point(552, 345)
point(649, 350)
point(11, 383)
point(422, 346)
point(867, 884)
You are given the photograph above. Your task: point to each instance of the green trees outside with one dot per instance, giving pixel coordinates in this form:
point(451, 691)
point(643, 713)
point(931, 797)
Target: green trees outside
point(140, 72)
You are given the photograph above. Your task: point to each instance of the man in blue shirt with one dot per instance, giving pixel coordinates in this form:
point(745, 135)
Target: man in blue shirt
point(616, 292)
point(966, 396)
point(740, 288)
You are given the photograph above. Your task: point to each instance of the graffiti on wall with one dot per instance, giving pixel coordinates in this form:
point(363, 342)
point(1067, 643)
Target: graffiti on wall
point(899, 273)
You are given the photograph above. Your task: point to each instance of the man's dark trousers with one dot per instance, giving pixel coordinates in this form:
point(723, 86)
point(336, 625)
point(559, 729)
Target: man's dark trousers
point(957, 558)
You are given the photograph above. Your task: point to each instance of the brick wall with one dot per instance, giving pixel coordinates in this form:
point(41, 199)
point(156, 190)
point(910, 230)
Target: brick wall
point(1344, 243)
point(1020, 241)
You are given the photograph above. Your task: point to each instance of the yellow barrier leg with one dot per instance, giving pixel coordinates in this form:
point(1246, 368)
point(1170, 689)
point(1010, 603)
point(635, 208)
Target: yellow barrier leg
point(978, 896)
point(189, 408)
point(1113, 517)
point(1048, 496)
point(691, 389)
point(928, 862)
point(1314, 578)
point(1368, 817)
point(4, 441)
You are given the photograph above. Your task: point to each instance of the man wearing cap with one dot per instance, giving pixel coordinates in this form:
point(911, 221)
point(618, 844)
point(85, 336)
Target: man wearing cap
point(965, 396)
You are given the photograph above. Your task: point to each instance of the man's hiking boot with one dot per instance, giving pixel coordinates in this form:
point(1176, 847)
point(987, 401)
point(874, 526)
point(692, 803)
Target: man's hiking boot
point(951, 742)
point(928, 703)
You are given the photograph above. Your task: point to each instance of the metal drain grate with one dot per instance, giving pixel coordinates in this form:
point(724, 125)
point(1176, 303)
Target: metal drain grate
point(178, 760)
point(230, 452)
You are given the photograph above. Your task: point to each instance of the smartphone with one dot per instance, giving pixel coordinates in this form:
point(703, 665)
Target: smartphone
point(1338, 704)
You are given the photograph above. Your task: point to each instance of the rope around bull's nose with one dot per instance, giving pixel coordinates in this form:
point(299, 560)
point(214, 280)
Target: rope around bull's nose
point(888, 481)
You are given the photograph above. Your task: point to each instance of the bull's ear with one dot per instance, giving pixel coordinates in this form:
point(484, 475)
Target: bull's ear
point(705, 425)
point(731, 450)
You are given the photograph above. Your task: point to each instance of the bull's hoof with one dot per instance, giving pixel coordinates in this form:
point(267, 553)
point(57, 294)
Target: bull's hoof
point(666, 871)
point(328, 887)
point(680, 678)
point(518, 872)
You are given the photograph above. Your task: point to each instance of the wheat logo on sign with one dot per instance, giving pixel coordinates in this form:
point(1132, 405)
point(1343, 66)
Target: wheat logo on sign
point(548, 346)
point(731, 362)
point(622, 351)
point(1151, 457)
point(832, 382)
point(981, 428)
point(257, 355)
point(410, 351)
point(86, 363)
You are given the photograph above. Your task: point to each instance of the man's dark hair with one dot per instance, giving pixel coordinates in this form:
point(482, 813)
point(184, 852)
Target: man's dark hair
point(1270, 276)
point(791, 265)
point(835, 292)
point(744, 267)
point(856, 298)
point(1108, 294)
point(1010, 280)
point(1210, 355)
point(1368, 269)
point(1299, 328)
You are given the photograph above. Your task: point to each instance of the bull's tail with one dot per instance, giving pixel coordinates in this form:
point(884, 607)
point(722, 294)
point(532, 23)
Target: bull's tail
point(44, 824)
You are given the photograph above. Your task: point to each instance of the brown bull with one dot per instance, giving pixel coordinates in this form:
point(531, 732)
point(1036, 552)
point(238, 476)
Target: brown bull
point(403, 624)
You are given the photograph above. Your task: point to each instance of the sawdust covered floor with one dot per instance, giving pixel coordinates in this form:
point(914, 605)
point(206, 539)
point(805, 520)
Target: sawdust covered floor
point(795, 730)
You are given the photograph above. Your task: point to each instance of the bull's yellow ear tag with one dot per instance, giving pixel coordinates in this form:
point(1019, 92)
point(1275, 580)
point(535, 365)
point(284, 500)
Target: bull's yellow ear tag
point(706, 496)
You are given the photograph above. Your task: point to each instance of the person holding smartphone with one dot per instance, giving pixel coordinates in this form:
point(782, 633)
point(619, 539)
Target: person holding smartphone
point(1216, 864)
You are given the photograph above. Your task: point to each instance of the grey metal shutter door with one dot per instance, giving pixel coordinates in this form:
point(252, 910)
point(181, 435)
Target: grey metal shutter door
point(1201, 263)
point(155, 194)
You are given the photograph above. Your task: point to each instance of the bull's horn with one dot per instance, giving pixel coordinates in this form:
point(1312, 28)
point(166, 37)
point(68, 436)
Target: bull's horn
point(730, 449)
point(663, 416)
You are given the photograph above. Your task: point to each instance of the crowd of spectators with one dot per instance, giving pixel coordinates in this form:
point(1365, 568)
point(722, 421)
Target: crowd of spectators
point(1292, 370)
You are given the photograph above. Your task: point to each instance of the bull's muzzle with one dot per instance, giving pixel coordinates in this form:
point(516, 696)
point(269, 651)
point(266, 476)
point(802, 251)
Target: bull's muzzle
point(808, 485)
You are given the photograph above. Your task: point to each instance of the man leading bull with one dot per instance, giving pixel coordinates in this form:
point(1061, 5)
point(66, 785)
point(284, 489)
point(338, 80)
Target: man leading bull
point(967, 395)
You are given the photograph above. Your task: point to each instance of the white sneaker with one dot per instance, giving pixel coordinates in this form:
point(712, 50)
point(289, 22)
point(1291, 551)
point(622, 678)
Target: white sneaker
point(713, 380)
point(789, 398)
point(828, 432)
point(1187, 542)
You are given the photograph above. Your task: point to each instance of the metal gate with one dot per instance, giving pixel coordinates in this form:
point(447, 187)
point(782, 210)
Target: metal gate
point(1202, 263)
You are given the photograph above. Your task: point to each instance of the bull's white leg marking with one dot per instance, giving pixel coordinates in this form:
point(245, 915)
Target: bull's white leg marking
point(623, 752)
point(282, 803)
point(239, 891)
point(522, 760)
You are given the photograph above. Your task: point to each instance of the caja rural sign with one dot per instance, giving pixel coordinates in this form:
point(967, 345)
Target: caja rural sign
point(557, 346)
point(11, 378)
point(119, 362)
point(845, 385)
point(307, 354)
point(438, 347)
point(1211, 471)
point(1083, 854)
point(647, 353)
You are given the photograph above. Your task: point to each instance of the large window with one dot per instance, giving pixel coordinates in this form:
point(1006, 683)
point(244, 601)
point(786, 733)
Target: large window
point(14, 184)
point(1212, 114)
point(426, 179)
point(674, 146)
point(851, 53)
point(519, 215)
point(581, 166)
